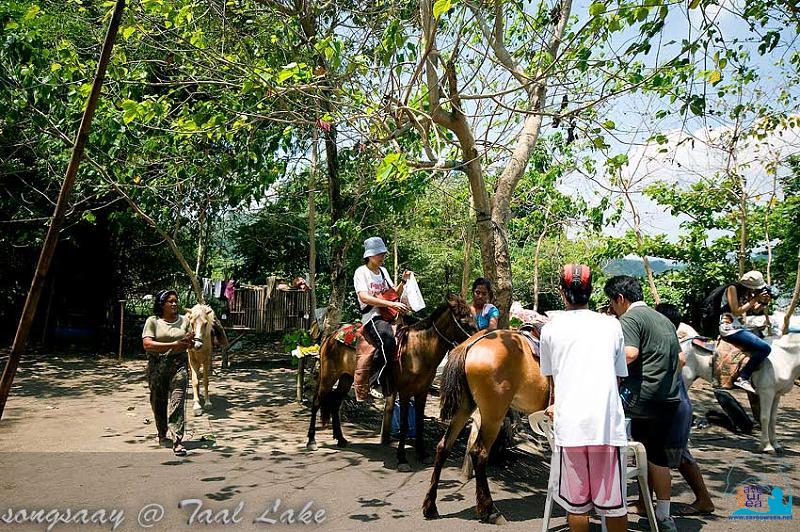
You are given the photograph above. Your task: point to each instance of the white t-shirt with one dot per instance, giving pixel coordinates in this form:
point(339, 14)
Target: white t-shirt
point(366, 281)
point(584, 353)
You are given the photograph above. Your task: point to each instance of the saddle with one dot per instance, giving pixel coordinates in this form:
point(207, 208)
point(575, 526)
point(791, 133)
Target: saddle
point(532, 336)
point(352, 335)
point(529, 332)
point(727, 362)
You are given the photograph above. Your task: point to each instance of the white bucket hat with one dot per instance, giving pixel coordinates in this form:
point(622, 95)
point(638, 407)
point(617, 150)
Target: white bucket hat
point(374, 246)
point(753, 280)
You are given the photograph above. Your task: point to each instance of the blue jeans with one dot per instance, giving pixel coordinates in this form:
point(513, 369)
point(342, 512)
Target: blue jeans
point(755, 346)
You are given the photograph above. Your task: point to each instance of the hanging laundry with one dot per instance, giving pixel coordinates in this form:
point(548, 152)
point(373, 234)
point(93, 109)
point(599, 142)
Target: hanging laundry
point(229, 291)
point(208, 288)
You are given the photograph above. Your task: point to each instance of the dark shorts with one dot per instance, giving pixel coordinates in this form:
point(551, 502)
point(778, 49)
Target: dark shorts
point(682, 422)
point(656, 434)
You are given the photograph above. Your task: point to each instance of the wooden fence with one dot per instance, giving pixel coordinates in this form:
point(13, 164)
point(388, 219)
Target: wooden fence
point(257, 308)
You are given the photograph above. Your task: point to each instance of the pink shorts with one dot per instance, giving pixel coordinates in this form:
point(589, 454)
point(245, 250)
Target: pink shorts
point(590, 477)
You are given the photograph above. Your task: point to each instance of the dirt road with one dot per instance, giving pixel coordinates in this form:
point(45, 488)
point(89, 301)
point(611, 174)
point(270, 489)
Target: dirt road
point(78, 434)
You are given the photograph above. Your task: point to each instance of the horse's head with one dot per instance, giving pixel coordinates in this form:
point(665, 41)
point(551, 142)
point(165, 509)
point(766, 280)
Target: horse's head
point(461, 316)
point(200, 318)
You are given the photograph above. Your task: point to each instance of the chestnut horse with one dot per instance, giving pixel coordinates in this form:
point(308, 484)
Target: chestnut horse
point(425, 346)
point(491, 372)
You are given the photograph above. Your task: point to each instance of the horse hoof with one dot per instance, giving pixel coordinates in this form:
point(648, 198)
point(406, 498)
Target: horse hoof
point(311, 446)
point(198, 411)
point(495, 518)
point(404, 467)
point(430, 511)
point(769, 449)
point(208, 406)
point(342, 443)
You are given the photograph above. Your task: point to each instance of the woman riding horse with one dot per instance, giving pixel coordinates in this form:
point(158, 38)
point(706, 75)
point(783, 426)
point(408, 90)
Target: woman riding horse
point(378, 308)
point(750, 296)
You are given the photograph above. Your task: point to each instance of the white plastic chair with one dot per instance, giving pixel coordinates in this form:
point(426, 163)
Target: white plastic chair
point(541, 425)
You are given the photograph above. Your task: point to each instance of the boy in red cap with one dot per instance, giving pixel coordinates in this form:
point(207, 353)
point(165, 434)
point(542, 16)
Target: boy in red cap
point(582, 353)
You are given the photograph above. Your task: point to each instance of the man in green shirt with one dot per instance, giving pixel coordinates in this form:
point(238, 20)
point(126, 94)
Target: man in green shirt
point(650, 393)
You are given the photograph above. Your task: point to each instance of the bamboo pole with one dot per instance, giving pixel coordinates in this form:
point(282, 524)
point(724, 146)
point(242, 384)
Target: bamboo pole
point(121, 327)
point(49, 246)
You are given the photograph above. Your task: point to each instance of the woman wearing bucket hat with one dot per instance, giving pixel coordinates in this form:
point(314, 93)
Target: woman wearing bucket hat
point(749, 296)
point(370, 281)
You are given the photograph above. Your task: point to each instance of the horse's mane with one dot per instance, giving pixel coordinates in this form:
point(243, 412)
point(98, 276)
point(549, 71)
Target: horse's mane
point(427, 323)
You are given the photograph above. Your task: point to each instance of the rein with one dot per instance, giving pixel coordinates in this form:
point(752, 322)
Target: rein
point(445, 338)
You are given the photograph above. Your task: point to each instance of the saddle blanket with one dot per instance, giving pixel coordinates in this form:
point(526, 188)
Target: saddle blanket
point(728, 363)
point(350, 334)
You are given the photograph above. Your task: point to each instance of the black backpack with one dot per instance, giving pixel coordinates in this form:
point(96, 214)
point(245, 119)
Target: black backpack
point(710, 309)
point(735, 418)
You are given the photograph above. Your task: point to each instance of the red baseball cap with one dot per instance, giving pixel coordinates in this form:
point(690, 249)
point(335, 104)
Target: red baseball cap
point(576, 279)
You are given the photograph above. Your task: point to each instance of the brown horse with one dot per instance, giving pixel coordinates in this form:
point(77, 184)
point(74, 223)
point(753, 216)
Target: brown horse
point(493, 372)
point(424, 348)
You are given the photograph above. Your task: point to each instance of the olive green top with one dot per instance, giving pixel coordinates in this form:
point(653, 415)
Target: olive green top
point(162, 331)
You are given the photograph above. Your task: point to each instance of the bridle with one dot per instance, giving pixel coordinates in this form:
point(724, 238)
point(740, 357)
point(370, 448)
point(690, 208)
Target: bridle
point(198, 334)
point(445, 338)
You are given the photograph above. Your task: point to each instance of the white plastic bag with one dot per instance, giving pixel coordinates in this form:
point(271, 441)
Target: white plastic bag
point(412, 296)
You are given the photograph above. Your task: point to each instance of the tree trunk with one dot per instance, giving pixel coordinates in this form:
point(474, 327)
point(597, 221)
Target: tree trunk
point(466, 272)
point(201, 239)
point(395, 260)
point(312, 223)
point(51, 240)
point(795, 297)
point(492, 216)
point(340, 244)
point(536, 256)
point(651, 280)
point(742, 229)
point(767, 239)
point(637, 230)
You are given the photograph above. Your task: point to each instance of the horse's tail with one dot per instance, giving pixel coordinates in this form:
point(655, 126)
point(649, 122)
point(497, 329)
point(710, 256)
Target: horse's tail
point(454, 390)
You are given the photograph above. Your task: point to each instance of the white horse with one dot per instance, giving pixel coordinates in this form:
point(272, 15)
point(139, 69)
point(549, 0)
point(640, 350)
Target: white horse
point(202, 320)
point(774, 378)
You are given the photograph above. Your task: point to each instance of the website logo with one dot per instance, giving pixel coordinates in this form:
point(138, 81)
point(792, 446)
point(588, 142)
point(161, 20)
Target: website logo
point(762, 502)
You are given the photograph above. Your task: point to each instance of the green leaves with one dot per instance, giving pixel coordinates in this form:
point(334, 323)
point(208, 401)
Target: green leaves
point(393, 165)
point(440, 7)
point(714, 77)
point(597, 8)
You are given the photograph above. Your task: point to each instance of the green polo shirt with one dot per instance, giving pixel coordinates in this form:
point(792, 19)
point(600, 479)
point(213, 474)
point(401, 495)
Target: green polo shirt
point(653, 376)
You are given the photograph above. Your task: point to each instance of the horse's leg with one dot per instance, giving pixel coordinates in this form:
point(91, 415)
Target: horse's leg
point(402, 461)
point(429, 509)
point(193, 366)
point(490, 427)
point(311, 445)
point(345, 381)
point(766, 398)
point(419, 412)
point(772, 420)
point(467, 471)
point(324, 389)
point(755, 407)
point(386, 424)
point(206, 372)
